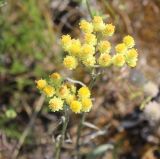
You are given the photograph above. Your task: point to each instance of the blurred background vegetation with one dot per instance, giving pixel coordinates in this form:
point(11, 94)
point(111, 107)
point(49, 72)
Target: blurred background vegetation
point(26, 41)
point(30, 49)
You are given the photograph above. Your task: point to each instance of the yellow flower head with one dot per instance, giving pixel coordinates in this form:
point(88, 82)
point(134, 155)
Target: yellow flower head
point(70, 98)
point(55, 76)
point(84, 92)
point(70, 62)
point(109, 30)
point(56, 104)
point(98, 23)
point(66, 42)
point(86, 26)
point(41, 83)
point(75, 47)
point(90, 39)
point(66, 39)
point(76, 106)
point(132, 63)
point(118, 60)
point(86, 104)
point(104, 47)
point(128, 41)
point(49, 90)
point(63, 92)
point(89, 61)
point(131, 55)
point(87, 50)
point(105, 60)
point(121, 48)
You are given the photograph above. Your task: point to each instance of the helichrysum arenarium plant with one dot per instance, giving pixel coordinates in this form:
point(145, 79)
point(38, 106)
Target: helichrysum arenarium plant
point(92, 50)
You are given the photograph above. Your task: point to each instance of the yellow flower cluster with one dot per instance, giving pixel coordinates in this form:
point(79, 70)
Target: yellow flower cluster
point(95, 49)
point(83, 103)
point(61, 93)
point(125, 53)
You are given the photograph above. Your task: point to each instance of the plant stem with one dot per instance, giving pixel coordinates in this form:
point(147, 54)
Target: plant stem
point(89, 9)
point(63, 131)
point(80, 126)
point(83, 116)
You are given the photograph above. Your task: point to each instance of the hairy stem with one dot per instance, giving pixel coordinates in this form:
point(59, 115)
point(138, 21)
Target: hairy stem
point(80, 126)
point(83, 116)
point(62, 137)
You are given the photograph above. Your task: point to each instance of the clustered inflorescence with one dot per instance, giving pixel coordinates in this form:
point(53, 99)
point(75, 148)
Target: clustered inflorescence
point(62, 93)
point(96, 50)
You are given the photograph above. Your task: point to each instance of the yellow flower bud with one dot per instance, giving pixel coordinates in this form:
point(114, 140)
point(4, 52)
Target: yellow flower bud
point(90, 39)
point(70, 62)
point(87, 50)
point(84, 92)
point(56, 104)
point(105, 60)
point(121, 48)
point(49, 90)
point(73, 88)
point(70, 98)
point(131, 55)
point(66, 42)
point(118, 60)
point(89, 61)
point(132, 63)
point(128, 41)
point(41, 83)
point(75, 47)
point(104, 47)
point(65, 39)
point(55, 76)
point(76, 106)
point(98, 24)
point(63, 92)
point(86, 104)
point(109, 30)
point(86, 26)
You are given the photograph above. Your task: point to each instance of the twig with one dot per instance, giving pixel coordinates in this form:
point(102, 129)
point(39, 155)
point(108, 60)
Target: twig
point(38, 105)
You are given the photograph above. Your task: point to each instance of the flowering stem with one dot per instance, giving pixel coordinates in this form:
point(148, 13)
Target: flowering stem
point(63, 131)
point(83, 115)
point(80, 126)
